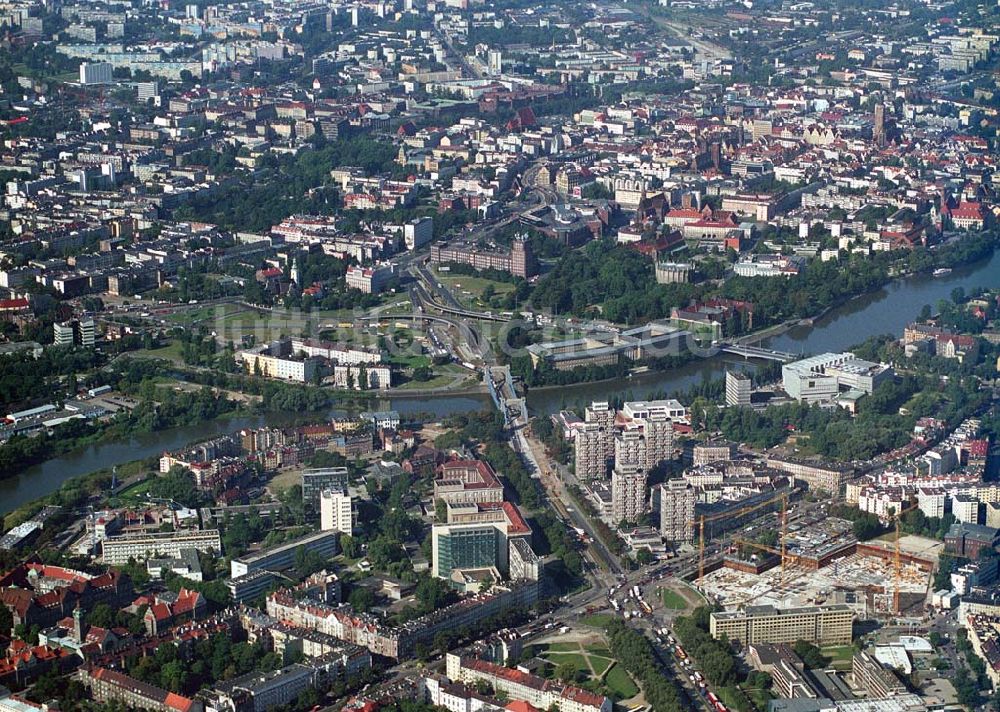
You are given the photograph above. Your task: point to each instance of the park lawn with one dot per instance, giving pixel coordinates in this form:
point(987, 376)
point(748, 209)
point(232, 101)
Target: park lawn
point(597, 620)
point(135, 490)
point(599, 651)
point(672, 599)
point(619, 683)
point(577, 660)
point(599, 664)
point(437, 381)
point(171, 352)
point(562, 647)
point(285, 479)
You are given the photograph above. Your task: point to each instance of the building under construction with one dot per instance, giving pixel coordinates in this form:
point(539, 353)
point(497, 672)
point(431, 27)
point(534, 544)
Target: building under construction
point(829, 567)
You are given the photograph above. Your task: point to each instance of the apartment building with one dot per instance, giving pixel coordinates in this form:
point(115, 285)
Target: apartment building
point(828, 477)
point(257, 362)
point(712, 451)
point(119, 549)
point(628, 493)
point(341, 353)
point(108, 686)
point(399, 642)
point(264, 690)
point(594, 442)
point(677, 500)
point(539, 692)
point(822, 625)
point(630, 448)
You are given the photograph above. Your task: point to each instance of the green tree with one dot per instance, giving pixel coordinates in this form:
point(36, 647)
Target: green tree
point(361, 599)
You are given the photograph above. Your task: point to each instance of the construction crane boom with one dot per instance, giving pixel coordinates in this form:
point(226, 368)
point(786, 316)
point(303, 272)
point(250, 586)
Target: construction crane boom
point(783, 497)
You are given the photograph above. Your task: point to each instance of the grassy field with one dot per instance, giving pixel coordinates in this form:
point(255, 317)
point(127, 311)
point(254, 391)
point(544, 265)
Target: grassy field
point(672, 599)
point(469, 289)
point(840, 656)
point(171, 352)
point(562, 647)
point(577, 660)
point(620, 684)
point(285, 479)
point(593, 662)
point(597, 620)
point(410, 360)
point(134, 491)
point(444, 375)
point(438, 381)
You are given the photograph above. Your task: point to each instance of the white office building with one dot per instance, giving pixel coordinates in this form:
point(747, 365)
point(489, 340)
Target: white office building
point(118, 550)
point(820, 378)
point(337, 512)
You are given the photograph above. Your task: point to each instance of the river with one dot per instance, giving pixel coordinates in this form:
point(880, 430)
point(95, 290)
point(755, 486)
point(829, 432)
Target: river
point(887, 310)
point(45, 478)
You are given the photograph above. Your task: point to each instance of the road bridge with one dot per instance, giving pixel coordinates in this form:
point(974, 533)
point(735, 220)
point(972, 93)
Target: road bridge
point(757, 352)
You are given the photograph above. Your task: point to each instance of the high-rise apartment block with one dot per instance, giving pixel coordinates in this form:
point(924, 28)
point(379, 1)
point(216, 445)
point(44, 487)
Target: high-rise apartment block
point(595, 442)
point(643, 437)
point(677, 500)
point(738, 389)
point(628, 493)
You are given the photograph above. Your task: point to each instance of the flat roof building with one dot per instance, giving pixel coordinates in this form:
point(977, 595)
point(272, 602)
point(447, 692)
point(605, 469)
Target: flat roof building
point(820, 378)
point(822, 625)
point(281, 557)
point(118, 550)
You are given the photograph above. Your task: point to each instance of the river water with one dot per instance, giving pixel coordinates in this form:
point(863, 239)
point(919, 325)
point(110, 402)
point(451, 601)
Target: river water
point(885, 311)
point(45, 478)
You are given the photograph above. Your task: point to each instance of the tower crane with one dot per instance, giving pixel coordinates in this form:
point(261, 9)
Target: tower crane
point(783, 497)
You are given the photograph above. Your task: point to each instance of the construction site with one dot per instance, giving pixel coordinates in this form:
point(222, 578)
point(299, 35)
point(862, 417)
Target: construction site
point(825, 565)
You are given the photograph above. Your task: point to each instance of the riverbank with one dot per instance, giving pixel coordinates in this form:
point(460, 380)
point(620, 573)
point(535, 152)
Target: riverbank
point(965, 252)
point(886, 309)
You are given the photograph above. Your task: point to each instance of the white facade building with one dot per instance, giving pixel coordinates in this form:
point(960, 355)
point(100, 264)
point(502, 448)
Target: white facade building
point(337, 512)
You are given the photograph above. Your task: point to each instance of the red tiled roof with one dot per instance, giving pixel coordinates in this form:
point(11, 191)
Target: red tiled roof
point(521, 706)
